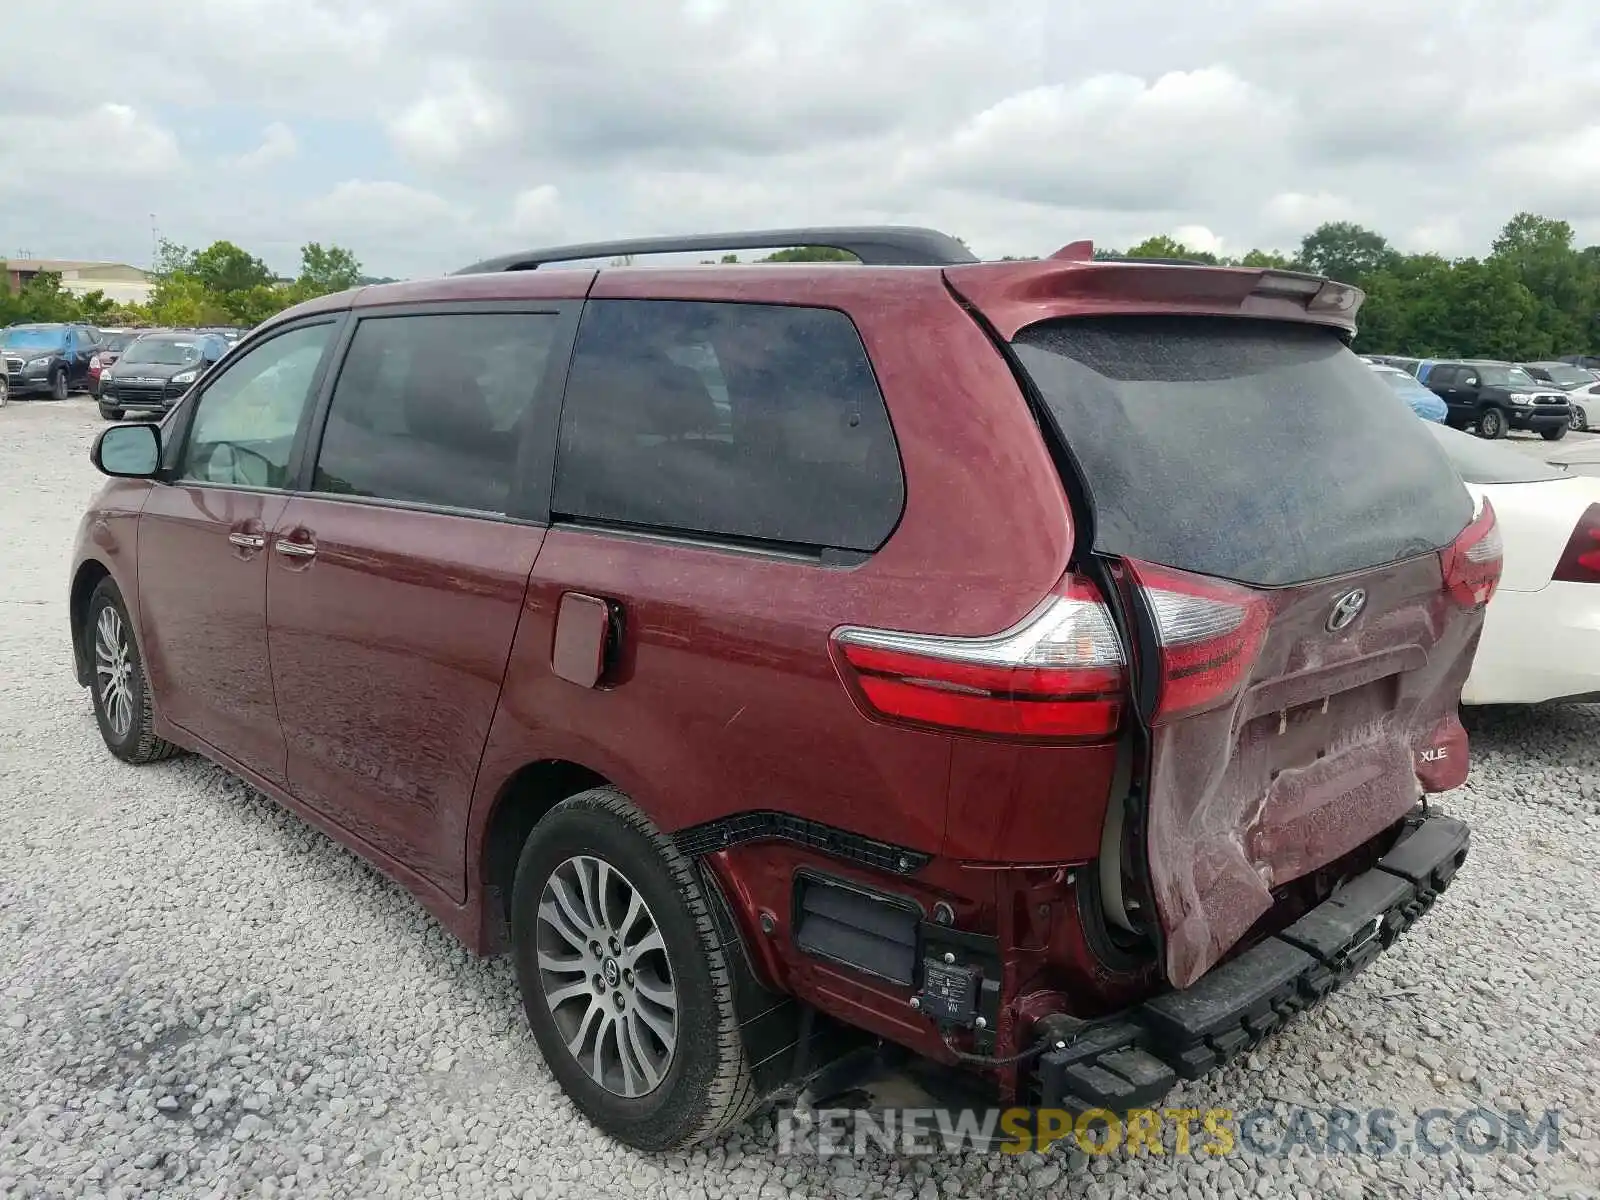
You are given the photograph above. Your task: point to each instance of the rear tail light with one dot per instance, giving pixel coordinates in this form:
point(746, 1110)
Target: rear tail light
point(1056, 675)
point(1580, 561)
point(1209, 635)
point(1472, 562)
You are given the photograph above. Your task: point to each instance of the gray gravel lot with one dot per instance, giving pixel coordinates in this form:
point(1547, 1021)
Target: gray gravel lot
point(199, 996)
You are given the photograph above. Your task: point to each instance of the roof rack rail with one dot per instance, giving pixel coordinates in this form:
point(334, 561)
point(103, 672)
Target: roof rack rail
point(874, 245)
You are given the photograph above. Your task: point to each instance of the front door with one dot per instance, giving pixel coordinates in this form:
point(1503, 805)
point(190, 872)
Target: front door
point(395, 586)
point(202, 548)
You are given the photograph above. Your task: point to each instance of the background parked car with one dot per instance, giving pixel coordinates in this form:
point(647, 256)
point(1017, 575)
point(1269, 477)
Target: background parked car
point(1398, 361)
point(155, 371)
point(1584, 400)
point(1497, 396)
point(1541, 636)
point(1564, 375)
point(112, 344)
point(48, 359)
point(1590, 361)
point(1423, 402)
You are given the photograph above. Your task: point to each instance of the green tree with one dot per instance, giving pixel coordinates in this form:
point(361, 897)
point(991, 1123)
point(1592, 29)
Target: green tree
point(1566, 284)
point(797, 254)
point(1269, 259)
point(223, 267)
point(1347, 252)
point(183, 299)
point(1162, 246)
point(322, 271)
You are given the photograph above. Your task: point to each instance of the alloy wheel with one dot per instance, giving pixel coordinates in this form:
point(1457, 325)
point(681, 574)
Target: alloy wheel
point(605, 975)
point(1579, 420)
point(114, 666)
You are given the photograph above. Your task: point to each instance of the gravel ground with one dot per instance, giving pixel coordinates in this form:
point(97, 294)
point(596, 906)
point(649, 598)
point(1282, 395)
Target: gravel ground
point(199, 996)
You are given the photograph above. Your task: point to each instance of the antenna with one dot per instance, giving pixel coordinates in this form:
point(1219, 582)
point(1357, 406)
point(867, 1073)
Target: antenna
point(155, 244)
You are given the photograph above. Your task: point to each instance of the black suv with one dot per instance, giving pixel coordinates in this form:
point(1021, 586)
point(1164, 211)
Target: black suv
point(1497, 396)
point(48, 358)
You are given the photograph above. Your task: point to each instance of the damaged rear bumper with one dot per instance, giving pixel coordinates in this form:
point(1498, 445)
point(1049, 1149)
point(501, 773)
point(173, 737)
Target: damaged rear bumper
point(1133, 1059)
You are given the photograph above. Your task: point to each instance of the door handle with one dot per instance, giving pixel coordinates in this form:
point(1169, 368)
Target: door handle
point(295, 549)
point(248, 541)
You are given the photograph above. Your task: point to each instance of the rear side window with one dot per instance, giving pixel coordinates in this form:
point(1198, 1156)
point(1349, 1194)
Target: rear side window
point(733, 421)
point(1257, 451)
point(429, 409)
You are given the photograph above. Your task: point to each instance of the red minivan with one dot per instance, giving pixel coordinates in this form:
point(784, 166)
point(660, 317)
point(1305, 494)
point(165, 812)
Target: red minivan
point(1039, 667)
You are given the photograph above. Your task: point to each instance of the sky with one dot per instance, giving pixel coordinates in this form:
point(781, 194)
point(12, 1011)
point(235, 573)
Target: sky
point(427, 134)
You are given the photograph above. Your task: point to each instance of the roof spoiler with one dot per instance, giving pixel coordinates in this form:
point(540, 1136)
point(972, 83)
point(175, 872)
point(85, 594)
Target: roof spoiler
point(1013, 295)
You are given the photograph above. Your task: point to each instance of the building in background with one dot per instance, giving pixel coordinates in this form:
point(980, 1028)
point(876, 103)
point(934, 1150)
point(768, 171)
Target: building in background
point(118, 281)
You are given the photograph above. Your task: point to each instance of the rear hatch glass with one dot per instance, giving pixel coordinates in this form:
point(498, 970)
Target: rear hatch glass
point(1263, 452)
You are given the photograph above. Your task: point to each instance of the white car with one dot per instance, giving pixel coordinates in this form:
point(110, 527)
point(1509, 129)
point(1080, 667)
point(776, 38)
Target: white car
point(1541, 636)
point(1585, 400)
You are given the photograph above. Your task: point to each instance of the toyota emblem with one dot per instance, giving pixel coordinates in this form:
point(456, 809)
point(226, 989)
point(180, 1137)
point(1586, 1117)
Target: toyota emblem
point(1346, 609)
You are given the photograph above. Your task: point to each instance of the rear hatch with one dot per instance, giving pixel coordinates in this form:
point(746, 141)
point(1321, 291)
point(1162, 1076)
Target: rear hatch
point(1299, 579)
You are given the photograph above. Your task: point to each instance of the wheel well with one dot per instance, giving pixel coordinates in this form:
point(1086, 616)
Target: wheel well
point(83, 584)
point(533, 791)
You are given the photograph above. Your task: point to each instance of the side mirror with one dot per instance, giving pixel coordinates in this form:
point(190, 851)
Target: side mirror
point(128, 451)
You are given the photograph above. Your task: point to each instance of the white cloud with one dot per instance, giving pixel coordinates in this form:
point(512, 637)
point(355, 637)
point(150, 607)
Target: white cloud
point(456, 119)
point(1110, 140)
point(278, 144)
point(536, 211)
point(93, 146)
point(1019, 124)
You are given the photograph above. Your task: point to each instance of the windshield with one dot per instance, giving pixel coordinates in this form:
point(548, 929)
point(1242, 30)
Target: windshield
point(34, 339)
point(1251, 450)
point(1496, 375)
point(164, 351)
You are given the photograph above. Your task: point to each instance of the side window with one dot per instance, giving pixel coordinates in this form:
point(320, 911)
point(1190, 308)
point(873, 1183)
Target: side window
point(429, 409)
point(1442, 377)
point(747, 421)
point(244, 426)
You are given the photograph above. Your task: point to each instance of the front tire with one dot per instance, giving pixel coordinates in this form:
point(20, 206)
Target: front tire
point(1579, 419)
point(58, 385)
point(1492, 424)
point(121, 695)
point(624, 978)
point(5, 390)
point(1556, 434)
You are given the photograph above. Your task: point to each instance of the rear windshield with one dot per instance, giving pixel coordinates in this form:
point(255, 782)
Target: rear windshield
point(1478, 461)
point(1258, 451)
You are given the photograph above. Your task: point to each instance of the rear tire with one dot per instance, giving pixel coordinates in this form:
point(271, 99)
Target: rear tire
point(1492, 424)
point(111, 414)
point(593, 869)
point(1579, 419)
point(1556, 434)
point(121, 695)
point(58, 385)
